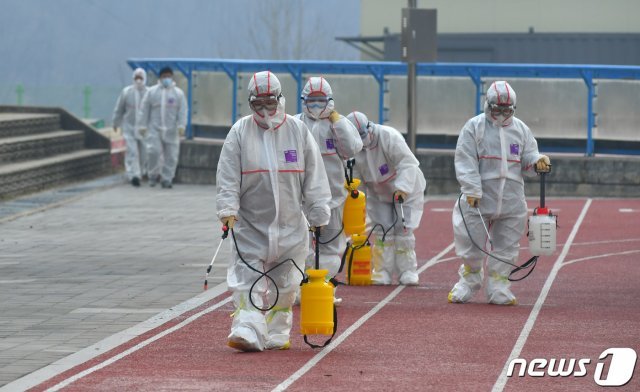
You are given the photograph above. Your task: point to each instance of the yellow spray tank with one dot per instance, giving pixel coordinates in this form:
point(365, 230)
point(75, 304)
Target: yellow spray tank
point(316, 304)
point(358, 258)
point(317, 312)
point(355, 207)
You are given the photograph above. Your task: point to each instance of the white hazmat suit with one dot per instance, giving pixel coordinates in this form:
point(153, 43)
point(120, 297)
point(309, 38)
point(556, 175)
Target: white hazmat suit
point(386, 165)
point(492, 155)
point(269, 165)
point(163, 113)
point(338, 140)
point(124, 117)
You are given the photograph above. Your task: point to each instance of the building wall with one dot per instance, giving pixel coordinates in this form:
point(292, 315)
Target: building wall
point(500, 16)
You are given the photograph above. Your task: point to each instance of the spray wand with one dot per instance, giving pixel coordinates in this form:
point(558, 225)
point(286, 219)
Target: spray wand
point(225, 230)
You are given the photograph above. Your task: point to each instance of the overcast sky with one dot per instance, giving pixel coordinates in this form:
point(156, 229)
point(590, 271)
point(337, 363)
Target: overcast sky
point(63, 42)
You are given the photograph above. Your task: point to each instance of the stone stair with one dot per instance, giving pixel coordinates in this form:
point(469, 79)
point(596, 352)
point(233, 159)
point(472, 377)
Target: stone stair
point(38, 152)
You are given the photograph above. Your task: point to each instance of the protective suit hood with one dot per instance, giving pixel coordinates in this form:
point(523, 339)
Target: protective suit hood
point(318, 84)
point(365, 128)
point(502, 94)
point(266, 83)
point(140, 72)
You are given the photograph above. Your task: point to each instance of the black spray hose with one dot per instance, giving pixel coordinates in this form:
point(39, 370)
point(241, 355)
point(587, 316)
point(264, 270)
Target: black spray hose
point(529, 264)
point(366, 241)
point(264, 274)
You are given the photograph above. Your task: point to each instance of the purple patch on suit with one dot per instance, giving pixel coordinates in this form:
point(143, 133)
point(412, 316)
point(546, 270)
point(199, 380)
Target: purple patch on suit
point(171, 101)
point(384, 169)
point(515, 149)
point(291, 156)
point(330, 144)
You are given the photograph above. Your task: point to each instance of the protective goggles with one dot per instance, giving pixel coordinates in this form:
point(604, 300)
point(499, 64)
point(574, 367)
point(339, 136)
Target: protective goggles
point(269, 102)
point(317, 101)
point(364, 133)
point(504, 110)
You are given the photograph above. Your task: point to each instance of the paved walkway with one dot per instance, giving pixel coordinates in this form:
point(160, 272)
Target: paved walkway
point(100, 260)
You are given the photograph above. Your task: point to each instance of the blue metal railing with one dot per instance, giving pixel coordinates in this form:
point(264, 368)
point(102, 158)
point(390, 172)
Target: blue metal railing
point(475, 71)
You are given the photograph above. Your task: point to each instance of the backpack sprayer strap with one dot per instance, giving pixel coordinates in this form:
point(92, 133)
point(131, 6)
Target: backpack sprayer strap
point(335, 328)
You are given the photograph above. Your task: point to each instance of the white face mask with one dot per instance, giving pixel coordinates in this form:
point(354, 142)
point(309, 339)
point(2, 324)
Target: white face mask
point(139, 82)
point(315, 112)
point(266, 115)
point(367, 139)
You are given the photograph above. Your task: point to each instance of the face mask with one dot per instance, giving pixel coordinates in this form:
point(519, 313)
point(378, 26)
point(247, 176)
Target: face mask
point(266, 115)
point(166, 82)
point(315, 112)
point(367, 138)
point(139, 82)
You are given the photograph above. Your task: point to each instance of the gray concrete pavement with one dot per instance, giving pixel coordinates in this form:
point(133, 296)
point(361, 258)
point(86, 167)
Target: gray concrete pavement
point(81, 271)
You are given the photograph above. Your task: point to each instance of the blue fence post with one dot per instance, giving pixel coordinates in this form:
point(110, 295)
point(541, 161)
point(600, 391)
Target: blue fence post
point(190, 105)
point(186, 70)
point(378, 74)
point(477, 80)
point(297, 75)
point(234, 99)
point(587, 76)
point(233, 74)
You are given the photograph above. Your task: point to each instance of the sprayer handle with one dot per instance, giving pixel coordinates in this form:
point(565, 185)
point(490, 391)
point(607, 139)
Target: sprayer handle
point(543, 177)
point(317, 234)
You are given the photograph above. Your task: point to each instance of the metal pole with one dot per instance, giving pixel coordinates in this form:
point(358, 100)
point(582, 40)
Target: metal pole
point(590, 120)
point(411, 105)
point(20, 94)
point(411, 97)
point(87, 101)
point(298, 91)
point(588, 80)
point(190, 104)
point(234, 108)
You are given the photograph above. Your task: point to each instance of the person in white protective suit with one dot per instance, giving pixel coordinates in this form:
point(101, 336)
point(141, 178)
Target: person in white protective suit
point(124, 117)
point(164, 115)
point(338, 140)
point(269, 165)
point(389, 173)
point(495, 149)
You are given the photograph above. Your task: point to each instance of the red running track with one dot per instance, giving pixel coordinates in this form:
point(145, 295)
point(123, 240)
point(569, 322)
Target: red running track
point(417, 341)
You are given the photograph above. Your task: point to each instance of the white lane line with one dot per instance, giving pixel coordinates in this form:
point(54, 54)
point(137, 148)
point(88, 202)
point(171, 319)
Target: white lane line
point(528, 326)
point(600, 256)
point(62, 365)
point(137, 347)
point(117, 310)
point(318, 357)
point(16, 281)
point(595, 242)
point(606, 242)
point(627, 210)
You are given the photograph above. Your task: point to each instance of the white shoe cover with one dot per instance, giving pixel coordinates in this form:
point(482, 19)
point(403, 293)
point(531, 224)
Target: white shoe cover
point(244, 339)
point(409, 278)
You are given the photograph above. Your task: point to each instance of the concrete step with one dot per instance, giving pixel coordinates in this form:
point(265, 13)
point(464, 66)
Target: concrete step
point(41, 145)
point(30, 176)
point(21, 124)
